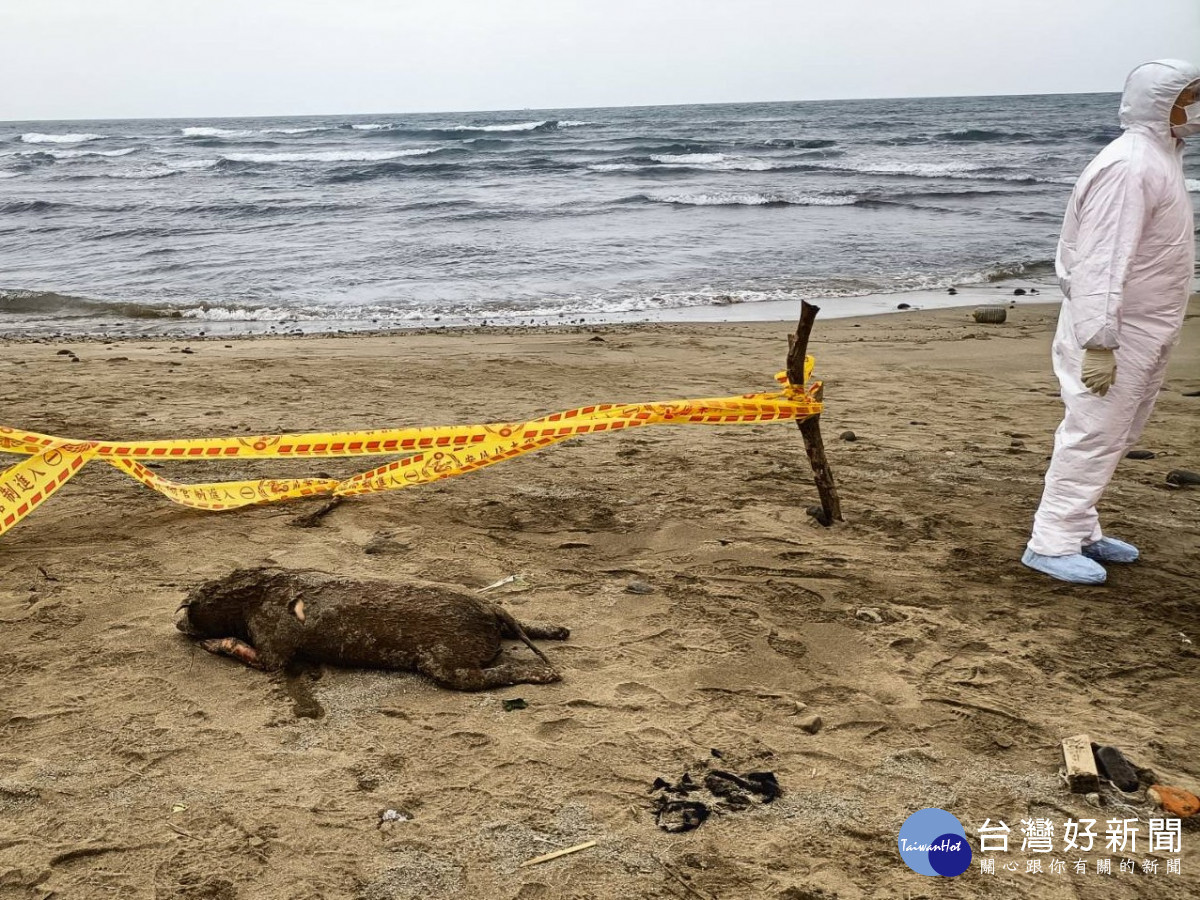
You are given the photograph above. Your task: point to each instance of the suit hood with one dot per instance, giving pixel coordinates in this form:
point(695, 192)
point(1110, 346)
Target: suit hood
point(1151, 90)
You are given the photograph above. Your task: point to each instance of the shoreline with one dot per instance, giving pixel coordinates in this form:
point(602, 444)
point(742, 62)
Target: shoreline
point(832, 308)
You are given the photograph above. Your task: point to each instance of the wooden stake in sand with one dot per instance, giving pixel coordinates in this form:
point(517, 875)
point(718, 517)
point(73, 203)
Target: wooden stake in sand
point(810, 428)
point(537, 860)
point(1082, 776)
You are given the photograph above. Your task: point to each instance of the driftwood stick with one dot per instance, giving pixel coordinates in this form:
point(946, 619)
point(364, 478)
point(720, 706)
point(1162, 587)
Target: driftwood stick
point(313, 519)
point(538, 860)
point(810, 428)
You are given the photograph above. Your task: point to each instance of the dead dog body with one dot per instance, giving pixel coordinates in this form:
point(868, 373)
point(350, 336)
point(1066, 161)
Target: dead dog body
point(269, 617)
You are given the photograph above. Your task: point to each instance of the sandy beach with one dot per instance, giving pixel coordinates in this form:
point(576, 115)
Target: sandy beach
point(134, 765)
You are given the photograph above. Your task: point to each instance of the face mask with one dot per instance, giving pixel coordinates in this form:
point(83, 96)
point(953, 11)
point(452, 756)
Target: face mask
point(1191, 125)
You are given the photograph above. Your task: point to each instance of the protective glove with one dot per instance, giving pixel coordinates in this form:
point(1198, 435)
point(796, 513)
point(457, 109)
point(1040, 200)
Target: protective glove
point(1099, 371)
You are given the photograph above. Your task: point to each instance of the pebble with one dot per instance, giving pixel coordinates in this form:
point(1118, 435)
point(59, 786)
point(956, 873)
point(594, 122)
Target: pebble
point(869, 614)
point(810, 724)
point(848, 436)
point(1140, 454)
point(639, 587)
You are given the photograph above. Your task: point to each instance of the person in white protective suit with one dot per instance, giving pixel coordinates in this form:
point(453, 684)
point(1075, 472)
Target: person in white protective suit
point(1125, 262)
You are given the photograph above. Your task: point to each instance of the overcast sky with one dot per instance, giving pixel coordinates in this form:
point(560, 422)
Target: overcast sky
point(192, 58)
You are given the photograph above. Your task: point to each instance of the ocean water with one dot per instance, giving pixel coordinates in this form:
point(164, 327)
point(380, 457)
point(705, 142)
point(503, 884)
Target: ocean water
point(372, 222)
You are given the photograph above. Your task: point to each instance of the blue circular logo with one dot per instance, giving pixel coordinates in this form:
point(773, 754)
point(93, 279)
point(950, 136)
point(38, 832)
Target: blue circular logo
point(933, 842)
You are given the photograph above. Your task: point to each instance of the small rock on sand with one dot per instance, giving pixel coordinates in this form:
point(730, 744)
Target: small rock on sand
point(811, 724)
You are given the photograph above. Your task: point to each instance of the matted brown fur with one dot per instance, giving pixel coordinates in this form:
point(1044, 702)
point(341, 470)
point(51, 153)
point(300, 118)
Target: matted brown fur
point(270, 617)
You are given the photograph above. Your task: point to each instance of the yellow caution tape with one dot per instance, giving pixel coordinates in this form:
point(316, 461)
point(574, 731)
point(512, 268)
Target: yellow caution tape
point(428, 454)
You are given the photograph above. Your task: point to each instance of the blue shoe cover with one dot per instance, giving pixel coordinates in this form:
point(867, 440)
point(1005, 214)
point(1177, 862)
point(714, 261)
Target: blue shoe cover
point(1111, 550)
point(1076, 568)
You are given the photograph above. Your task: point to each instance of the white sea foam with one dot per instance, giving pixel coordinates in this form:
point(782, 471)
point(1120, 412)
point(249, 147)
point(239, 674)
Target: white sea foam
point(1193, 185)
point(10, 174)
point(205, 131)
point(36, 137)
point(239, 314)
point(515, 126)
point(519, 126)
point(754, 199)
point(614, 167)
point(191, 163)
point(691, 159)
point(709, 162)
point(309, 130)
point(922, 169)
point(76, 154)
point(329, 155)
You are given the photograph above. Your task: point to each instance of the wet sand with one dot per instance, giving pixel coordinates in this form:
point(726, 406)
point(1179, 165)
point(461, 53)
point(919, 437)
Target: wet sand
point(133, 765)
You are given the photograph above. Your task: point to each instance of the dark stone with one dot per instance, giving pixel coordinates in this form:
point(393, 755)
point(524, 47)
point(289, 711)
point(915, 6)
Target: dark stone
point(903, 306)
point(1019, 292)
point(1140, 454)
point(1113, 766)
point(952, 292)
point(848, 436)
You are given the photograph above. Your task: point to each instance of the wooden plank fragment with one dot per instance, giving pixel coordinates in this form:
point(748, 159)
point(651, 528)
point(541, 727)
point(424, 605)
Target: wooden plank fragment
point(1082, 776)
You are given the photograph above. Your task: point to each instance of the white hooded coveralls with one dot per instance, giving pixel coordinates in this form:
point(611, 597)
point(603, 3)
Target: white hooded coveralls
point(1125, 262)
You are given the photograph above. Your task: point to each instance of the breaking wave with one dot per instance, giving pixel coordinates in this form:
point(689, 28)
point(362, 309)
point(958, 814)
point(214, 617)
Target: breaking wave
point(50, 303)
point(744, 199)
point(36, 137)
point(328, 155)
point(205, 131)
point(77, 154)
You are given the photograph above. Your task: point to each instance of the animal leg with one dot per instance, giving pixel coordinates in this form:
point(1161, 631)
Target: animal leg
point(459, 679)
point(235, 648)
point(543, 631)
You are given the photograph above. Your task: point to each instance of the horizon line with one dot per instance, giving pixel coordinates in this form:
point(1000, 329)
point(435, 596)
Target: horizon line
point(531, 109)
